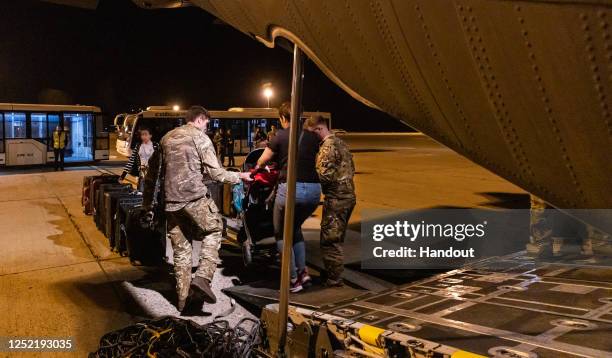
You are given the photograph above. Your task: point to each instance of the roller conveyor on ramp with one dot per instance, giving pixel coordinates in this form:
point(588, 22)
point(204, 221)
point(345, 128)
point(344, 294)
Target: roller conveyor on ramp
point(504, 307)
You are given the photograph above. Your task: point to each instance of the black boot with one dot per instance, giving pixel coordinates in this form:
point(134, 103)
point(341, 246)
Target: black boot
point(201, 291)
point(333, 282)
point(180, 305)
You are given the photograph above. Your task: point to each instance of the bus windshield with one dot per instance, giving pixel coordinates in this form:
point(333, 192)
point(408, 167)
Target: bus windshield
point(126, 128)
point(118, 121)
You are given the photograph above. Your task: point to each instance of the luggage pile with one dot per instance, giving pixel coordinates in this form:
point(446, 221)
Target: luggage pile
point(118, 213)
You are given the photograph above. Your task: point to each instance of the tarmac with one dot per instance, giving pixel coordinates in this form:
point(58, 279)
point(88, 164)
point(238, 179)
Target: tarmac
point(58, 278)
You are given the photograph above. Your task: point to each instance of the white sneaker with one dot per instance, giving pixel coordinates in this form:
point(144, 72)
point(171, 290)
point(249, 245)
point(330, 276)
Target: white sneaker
point(304, 277)
point(296, 285)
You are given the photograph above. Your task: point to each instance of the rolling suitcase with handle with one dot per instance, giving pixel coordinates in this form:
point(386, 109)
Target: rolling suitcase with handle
point(99, 209)
point(95, 186)
point(123, 207)
point(111, 198)
point(90, 184)
point(146, 242)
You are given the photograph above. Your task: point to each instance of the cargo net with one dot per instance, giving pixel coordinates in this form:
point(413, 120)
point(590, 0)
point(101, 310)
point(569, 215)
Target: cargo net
point(173, 337)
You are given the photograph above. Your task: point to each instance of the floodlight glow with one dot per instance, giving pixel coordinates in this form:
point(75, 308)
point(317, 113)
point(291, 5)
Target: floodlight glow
point(267, 92)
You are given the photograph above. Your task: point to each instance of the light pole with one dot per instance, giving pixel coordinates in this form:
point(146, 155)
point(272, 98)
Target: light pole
point(267, 92)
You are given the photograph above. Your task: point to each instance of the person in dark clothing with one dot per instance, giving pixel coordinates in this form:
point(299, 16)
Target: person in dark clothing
point(229, 147)
point(223, 146)
point(272, 133)
point(218, 143)
point(336, 170)
point(260, 138)
point(138, 163)
point(308, 191)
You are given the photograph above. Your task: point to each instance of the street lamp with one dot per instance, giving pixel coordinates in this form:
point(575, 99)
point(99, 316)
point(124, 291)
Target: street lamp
point(176, 107)
point(267, 92)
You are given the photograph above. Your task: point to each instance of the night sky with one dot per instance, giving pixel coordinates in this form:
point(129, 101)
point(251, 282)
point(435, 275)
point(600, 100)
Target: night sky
point(121, 58)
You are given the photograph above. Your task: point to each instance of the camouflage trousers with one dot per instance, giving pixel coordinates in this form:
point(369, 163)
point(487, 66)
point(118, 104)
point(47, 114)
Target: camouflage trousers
point(336, 214)
point(550, 228)
point(198, 220)
point(540, 228)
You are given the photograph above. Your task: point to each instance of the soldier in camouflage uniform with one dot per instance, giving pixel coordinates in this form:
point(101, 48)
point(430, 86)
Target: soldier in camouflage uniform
point(540, 226)
point(187, 159)
point(336, 169)
point(550, 229)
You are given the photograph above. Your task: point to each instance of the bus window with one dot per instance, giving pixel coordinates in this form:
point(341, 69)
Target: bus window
point(80, 133)
point(54, 121)
point(15, 125)
point(126, 129)
point(39, 126)
point(239, 132)
point(265, 125)
point(213, 125)
point(118, 122)
point(128, 125)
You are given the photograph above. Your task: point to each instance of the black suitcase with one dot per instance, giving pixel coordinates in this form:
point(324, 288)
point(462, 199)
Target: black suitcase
point(97, 186)
point(99, 212)
point(90, 186)
point(110, 209)
point(99, 208)
point(146, 244)
point(123, 207)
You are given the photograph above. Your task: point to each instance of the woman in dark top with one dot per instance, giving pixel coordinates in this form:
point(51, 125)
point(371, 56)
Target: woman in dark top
point(307, 196)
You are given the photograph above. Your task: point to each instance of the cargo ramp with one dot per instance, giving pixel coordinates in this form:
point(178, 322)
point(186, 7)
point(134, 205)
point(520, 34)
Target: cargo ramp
point(503, 307)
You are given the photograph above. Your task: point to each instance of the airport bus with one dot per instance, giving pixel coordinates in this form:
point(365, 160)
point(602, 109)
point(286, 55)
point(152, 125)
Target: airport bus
point(159, 119)
point(26, 133)
point(242, 121)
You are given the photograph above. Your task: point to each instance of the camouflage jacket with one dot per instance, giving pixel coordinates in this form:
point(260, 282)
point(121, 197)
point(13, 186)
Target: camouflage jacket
point(336, 169)
point(185, 162)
